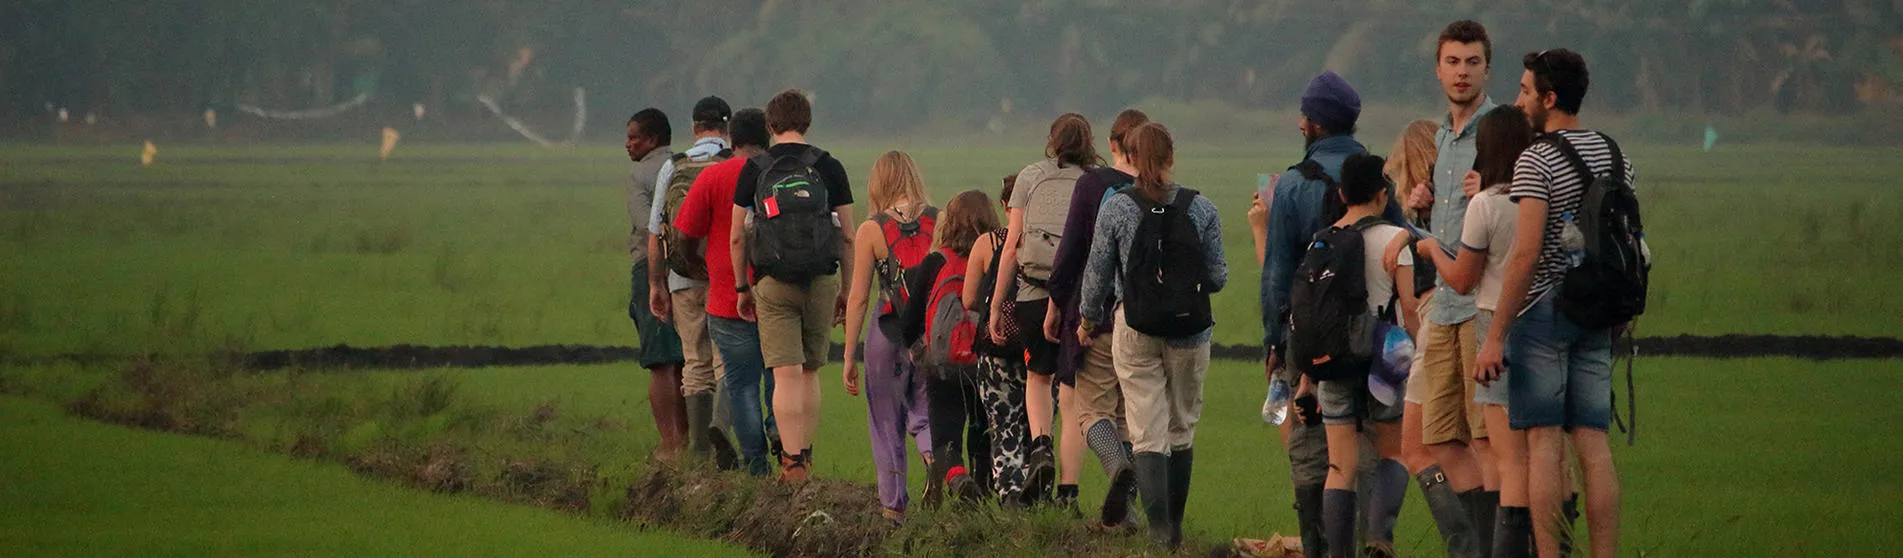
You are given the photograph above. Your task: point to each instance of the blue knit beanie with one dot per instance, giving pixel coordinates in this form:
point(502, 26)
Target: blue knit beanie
point(1331, 102)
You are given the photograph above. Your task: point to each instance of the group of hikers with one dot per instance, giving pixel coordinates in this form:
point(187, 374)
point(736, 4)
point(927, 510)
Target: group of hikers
point(1445, 313)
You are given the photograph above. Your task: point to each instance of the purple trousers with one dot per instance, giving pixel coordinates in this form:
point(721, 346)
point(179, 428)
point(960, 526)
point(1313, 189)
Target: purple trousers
point(895, 407)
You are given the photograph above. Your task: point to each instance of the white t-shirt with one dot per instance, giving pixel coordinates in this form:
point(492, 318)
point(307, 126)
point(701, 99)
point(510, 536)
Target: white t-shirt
point(1374, 247)
point(1491, 218)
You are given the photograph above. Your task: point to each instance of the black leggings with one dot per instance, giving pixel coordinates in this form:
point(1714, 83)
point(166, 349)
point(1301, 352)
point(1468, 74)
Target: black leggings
point(958, 422)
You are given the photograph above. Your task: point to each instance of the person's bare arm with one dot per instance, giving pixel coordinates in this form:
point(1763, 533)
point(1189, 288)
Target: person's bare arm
point(1259, 228)
point(1403, 283)
point(1461, 272)
point(979, 261)
point(860, 288)
point(1490, 364)
point(660, 301)
point(1007, 273)
point(737, 243)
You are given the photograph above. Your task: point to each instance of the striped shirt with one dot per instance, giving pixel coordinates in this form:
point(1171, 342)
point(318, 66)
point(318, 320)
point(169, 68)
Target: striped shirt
point(1544, 173)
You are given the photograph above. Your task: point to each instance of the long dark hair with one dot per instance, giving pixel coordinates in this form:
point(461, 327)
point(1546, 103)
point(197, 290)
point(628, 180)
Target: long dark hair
point(1070, 142)
point(1152, 151)
point(1502, 134)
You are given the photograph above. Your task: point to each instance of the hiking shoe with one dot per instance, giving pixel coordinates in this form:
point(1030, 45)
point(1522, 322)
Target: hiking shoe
point(1040, 471)
point(1378, 549)
point(1116, 503)
point(725, 458)
point(793, 469)
point(897, 517)
point(960, 484)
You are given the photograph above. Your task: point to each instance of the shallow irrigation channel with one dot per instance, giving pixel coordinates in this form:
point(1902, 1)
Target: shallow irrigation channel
point(1815, 347)
point(413, 356)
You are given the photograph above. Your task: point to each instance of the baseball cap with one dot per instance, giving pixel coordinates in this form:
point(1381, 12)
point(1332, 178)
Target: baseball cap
point(712, 109)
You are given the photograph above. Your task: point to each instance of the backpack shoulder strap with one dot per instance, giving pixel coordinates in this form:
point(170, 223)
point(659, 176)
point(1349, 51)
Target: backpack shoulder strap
point(1567, 150)
point(1184, 197)
point(1618, 158)
point(678, 157)
point(1312, 170)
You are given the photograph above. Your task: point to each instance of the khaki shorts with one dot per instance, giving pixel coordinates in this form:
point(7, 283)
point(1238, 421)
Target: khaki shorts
point(1448, 411)
point(703, 369)
point(1097, 390)
point(796, 321)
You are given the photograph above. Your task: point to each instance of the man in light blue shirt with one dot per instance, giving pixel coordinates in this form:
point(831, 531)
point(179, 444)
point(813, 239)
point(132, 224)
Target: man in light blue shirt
point(1457, 483)
point(683, 300)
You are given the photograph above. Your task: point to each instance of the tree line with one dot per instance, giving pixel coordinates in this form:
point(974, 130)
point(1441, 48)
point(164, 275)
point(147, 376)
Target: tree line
point(903, 63)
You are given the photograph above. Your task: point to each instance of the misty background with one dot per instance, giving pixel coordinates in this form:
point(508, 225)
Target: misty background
point(1822, 71)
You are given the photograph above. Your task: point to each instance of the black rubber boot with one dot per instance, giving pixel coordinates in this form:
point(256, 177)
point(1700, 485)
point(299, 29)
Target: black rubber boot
point(1571, 508)
point(1308, 515)
point(1182, 466)
point(1484, 508)
point(1387, 489)
point(1456, 526)
point(700, 418)
point(1513, 535)
point(1153, 480)
point(1338, 520)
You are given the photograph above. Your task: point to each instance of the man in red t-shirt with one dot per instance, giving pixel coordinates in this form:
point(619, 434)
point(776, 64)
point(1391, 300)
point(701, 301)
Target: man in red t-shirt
point(708, 213)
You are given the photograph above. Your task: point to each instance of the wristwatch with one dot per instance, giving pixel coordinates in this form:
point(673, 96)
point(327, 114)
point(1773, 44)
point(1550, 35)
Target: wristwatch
point(742, 287)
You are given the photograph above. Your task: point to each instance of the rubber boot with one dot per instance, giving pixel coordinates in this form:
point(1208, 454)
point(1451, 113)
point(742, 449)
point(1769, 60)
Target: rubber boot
point(1182, 466)
point(1484, 508)
point(1571, 509)
point(1456, 526)
point(700, 419)
point(1153, 480)
point(1387, 490)
point(1338, 520)
point(1308, 515)
point(1513, 535)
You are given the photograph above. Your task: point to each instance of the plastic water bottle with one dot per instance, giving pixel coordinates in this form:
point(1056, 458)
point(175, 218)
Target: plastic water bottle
point(1275, 408)
point(1571, 240)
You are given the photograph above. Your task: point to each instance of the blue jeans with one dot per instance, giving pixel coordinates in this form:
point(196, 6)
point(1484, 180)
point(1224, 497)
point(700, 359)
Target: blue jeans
point(747, 402)
point(1558, 374)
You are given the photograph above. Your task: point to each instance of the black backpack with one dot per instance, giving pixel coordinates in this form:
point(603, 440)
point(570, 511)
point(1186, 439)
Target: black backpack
point(1331, 327)
point(1332, 206)
point(794, 237)
point(1608, 287)
point(1165, 291)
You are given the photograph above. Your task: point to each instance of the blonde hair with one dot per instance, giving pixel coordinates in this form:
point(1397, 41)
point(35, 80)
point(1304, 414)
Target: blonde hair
point(1411, 161)
point(895, 178)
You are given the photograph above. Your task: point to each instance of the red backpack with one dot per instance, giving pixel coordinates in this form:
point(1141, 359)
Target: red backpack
point(950, 329)
point(907, 244)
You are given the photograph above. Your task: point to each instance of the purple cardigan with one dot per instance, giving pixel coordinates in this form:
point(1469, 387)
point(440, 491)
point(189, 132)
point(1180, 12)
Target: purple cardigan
point(1073, 252)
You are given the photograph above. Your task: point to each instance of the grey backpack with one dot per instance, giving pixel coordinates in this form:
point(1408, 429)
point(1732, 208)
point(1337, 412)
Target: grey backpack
point(1046, 208)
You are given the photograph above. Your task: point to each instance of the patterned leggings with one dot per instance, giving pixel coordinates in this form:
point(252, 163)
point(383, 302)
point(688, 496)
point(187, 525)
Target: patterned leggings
point(1001, 387)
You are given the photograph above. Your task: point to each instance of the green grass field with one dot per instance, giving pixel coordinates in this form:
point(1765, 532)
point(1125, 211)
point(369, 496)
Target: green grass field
point(280, 247)
point(79, 488)
point(289, 247)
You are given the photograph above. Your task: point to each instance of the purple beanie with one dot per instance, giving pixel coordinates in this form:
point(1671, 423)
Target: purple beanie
point(1331, 102)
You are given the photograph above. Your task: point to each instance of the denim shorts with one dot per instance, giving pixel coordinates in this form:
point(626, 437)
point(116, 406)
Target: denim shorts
point(1339, 405)
point(1560, 375)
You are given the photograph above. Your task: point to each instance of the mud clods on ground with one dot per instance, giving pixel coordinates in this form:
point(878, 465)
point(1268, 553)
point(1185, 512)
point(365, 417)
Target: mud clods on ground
point(419, 356)
point(822, 517)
